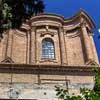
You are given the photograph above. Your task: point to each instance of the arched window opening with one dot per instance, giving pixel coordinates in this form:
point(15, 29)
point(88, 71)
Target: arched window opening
point(48, 49)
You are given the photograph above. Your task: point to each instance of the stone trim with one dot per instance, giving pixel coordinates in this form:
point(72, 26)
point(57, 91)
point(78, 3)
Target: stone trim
point(61, 19)
point(7, 60)
point(45, 69)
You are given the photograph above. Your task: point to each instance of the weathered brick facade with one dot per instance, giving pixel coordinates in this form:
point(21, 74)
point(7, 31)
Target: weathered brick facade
point(24, 74)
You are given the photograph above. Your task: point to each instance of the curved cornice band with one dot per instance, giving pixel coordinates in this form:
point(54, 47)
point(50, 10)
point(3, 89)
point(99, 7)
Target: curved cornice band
point(60, 19)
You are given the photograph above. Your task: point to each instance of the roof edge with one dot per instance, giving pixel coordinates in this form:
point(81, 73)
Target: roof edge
point(80, 13)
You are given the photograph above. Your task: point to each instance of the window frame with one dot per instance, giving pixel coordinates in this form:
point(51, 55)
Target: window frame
point(49, 50)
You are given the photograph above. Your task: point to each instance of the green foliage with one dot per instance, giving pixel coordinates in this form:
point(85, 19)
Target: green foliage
point(90, 94)
point(63, 94)
point(97, 81)
point(14, 12)
point(6, 16)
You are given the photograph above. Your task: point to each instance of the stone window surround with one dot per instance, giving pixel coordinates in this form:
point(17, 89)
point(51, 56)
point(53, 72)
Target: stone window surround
point(48, 35)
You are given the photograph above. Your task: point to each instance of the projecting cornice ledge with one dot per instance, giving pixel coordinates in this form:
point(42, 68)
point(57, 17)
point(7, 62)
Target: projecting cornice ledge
point(59, 18)
point(45, 69)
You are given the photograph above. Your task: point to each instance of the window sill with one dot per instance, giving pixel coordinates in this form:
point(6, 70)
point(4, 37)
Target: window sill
point(48, 60)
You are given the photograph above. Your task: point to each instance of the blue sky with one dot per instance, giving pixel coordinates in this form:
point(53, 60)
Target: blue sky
point(68, 8)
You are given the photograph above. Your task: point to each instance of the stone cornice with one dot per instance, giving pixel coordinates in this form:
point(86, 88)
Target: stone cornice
point(44, 69)
point(63, 20)
point(48, 16)
point(59, 19)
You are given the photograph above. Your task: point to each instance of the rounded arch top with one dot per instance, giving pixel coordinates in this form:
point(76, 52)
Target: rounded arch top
point(58, 18)
point(53, 17)
point(48, 39)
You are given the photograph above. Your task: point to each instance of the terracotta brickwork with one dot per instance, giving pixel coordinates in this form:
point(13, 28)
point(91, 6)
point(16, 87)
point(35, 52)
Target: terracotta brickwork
point(73, 41)
point(23, 68)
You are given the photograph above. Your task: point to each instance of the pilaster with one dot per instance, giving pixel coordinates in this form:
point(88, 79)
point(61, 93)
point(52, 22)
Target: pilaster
point(62, 46)
point(9, 44)
point(95, 56)
point(86, 41)
point(28, 47)
point(33, 46)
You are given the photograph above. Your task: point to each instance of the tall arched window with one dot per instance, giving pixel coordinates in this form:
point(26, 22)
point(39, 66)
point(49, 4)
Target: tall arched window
point(48, 49)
